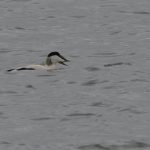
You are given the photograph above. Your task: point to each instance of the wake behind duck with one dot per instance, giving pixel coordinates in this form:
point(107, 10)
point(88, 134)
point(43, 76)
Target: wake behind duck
point(52, 59)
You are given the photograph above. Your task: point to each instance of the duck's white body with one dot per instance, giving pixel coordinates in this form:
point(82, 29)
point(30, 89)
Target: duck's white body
point(40, 67)
point(52, 59)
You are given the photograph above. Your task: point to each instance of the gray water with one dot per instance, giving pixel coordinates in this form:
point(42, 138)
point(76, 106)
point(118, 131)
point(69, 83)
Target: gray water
point(101, 100)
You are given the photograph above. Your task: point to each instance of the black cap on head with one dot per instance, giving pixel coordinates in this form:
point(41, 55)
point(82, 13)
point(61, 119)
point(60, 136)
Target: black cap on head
point(57, 54)
point(53, 53)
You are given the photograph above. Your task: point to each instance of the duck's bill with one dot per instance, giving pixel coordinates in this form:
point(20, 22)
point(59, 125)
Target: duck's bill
point(62, 57)
point(61, 62)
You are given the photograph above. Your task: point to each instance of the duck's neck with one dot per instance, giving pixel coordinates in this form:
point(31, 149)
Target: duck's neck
point(48, 61)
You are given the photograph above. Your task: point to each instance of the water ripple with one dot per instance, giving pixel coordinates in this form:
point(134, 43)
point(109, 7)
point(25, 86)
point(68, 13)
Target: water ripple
point(141, 12)
point(105, 54)
point(118, 64)
point(139, 80)
point(135, 12)
point(8, 92)
point(19, 28)
point(92, 69)
point(30, 86)
point(42, 118)
point(127, 145)
point(80, 115)
point(5, 50)
point(71, 82)
point(100, 104)
point(78, 16)
point(4, 143)
point(21, 0)
point(90, 82)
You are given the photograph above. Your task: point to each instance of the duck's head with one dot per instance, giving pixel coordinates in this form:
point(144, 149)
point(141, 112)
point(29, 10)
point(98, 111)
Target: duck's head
point(56, 57)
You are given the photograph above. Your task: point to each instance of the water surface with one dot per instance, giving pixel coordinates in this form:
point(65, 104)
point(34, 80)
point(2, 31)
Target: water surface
point(101, 100)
